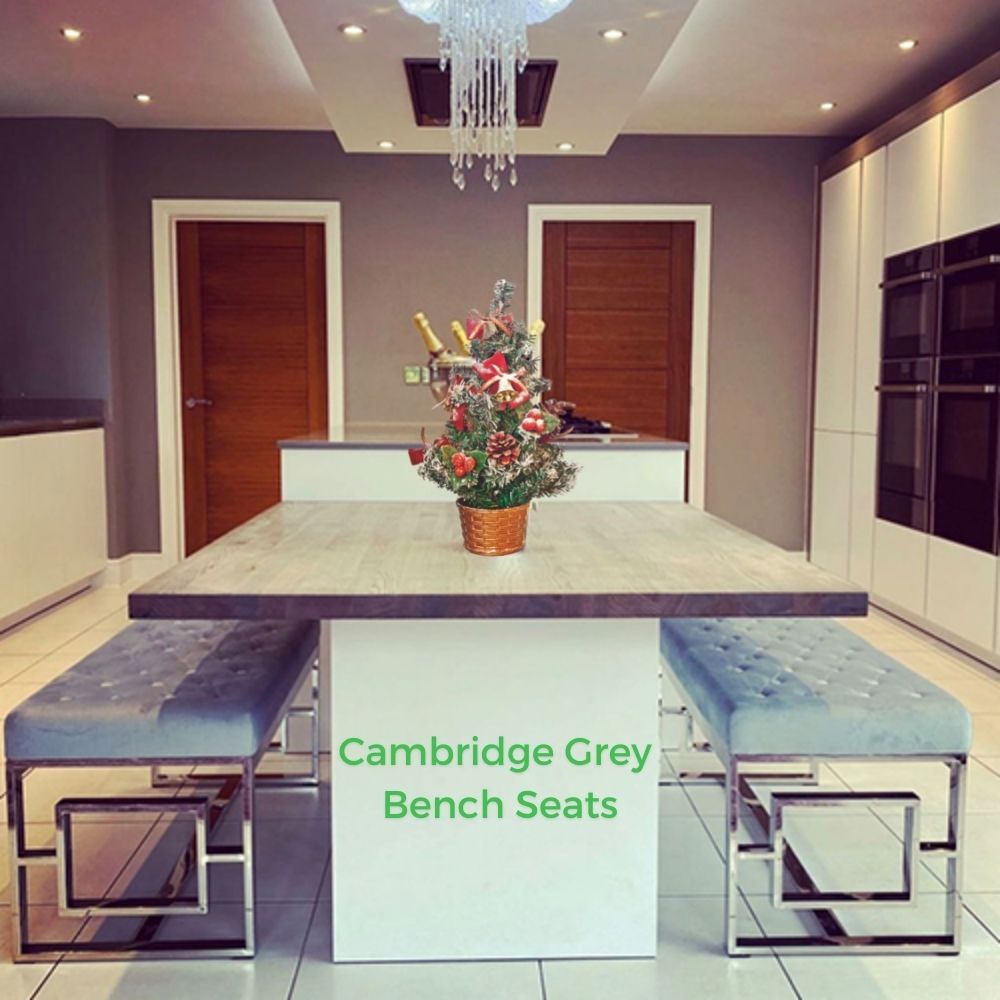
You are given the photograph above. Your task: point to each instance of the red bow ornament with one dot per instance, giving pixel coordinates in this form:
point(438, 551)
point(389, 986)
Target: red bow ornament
point(477, 325)
point(505, 386)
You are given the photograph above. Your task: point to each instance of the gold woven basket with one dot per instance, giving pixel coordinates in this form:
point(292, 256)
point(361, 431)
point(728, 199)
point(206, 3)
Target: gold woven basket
point(494, 532)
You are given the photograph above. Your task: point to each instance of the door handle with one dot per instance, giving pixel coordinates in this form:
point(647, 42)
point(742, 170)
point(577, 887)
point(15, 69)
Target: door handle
point(191, 402)
point(969, 390)
point(915, 390)
point(908, 280)
point(966, 265)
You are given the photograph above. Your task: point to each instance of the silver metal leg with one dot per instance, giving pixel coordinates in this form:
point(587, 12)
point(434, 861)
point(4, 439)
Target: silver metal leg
point(195, 862)
point(817, 906)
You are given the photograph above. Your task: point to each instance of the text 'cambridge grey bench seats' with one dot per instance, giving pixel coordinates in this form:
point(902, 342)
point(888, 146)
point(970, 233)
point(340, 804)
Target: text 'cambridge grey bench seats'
point(158, 694)
point(777, 690)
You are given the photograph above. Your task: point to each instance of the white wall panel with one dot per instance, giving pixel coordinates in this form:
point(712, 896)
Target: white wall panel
point(837, 300)
point(871, 255)
point(899, 568)
point(831, 501)
point(970, 189)
point(15, 548)
point(961, 590)
point(913, 182)
point(863, 459)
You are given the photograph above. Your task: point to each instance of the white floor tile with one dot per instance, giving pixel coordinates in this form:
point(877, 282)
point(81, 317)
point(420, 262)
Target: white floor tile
point(281, 932)
point(690, 963)
point(974, 975)
point(319, 978)
point(17, 982)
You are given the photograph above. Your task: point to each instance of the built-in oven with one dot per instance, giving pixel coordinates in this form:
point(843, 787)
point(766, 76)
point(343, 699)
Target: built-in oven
point(965, 495)
point(910, 303)
point(970, 294)
point(904, 442)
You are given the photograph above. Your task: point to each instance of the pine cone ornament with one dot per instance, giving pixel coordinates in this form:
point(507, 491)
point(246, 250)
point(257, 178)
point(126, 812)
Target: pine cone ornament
point(503, 448)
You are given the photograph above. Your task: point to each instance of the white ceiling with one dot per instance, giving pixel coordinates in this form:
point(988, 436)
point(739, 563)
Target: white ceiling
point(686, 66)
point(765, 66)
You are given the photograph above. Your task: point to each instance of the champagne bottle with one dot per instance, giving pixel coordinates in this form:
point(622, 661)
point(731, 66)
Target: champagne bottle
point(459, 331)
point(537, 329)
point(434, 346)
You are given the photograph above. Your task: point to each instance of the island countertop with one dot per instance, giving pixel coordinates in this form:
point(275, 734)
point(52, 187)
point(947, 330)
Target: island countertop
point(328, 560)
point(409, 435)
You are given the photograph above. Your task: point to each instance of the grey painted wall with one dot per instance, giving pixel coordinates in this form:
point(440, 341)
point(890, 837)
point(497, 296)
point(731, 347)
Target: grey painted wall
point(411, 241)
point(56, 262)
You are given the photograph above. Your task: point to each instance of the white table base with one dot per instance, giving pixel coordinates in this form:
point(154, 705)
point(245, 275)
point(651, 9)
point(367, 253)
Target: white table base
point(412, 889)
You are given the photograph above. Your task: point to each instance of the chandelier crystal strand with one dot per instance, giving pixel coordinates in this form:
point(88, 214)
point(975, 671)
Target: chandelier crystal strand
point(485, 42)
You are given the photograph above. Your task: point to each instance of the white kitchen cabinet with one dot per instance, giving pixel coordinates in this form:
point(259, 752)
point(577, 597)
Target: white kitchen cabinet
point(836, 316)
point(970, 167)
point(871, 254)
point(53, 531)
point(962, 591)
point(831, 501)
point(863, 455)
point(14, 548)
point(912, 188)
point(899, 566)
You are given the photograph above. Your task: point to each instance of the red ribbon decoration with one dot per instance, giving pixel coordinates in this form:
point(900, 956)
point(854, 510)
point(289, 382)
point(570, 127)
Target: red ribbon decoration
point(476, 323)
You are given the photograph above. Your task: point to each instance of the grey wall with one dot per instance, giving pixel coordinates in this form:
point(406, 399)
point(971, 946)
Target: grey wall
point(411, 241)
point(56, 262)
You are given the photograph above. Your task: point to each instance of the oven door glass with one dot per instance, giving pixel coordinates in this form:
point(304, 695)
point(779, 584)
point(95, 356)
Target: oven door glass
point(903, 442)
point(965, 468)
point(970, 314)
point(909, 318)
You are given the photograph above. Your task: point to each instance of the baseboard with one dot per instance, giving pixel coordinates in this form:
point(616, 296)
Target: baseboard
point(136, 567)
point(25, 614)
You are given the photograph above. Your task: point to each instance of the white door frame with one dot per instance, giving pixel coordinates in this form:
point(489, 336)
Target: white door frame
point(167, 212)
point(701, 216)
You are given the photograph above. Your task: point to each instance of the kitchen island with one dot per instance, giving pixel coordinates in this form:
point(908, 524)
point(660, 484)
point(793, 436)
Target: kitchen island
point(542, 841)
point(368, 461)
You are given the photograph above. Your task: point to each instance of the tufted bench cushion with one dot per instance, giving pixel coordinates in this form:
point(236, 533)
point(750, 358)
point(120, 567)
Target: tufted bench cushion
point(164, 690)
point(807, 687)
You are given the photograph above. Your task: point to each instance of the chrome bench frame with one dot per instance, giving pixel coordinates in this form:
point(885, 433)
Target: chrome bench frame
point(239, 783)
point(830, 935)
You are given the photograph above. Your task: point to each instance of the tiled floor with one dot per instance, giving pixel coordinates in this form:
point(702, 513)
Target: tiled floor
point(293, 959)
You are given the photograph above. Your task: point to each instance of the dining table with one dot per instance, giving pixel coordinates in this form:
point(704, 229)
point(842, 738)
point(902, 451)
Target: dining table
point(493, 723)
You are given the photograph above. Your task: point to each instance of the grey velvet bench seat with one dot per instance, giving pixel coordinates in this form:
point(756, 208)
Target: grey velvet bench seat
point(769, 692)
point(161, 695)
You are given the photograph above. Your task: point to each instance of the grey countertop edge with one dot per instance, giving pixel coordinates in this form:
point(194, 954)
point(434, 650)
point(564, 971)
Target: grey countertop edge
point(22, 426)
point(826, 604)
point(627, 444)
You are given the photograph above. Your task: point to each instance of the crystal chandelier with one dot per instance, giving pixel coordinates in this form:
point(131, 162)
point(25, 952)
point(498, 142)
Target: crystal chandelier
point(486, 44)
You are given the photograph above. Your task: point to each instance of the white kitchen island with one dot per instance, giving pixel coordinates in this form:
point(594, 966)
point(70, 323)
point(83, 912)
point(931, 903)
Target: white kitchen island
point(369, 462)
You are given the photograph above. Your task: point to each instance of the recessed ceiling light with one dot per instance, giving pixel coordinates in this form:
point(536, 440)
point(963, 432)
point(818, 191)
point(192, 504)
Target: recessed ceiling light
point(386, 144)
point(143, 98)
point(352, 30)
point(612, 34)
point(565, 146)
point(908, 44)
point(828, 106)
point(71, 34)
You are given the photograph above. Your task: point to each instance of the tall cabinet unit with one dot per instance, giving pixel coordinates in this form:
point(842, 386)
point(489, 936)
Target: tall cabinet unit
point(936, 182)
point(833, 416)
point(912, 195)
point(852, 214)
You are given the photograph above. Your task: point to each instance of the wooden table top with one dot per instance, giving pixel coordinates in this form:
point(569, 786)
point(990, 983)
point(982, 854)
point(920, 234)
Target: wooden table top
point(406, 560)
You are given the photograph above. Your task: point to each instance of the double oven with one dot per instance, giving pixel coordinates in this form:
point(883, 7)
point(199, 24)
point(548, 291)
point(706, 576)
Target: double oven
point(939, 393)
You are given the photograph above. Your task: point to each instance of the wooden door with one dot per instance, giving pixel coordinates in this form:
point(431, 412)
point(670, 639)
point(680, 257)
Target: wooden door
point(252, 299)
point(617, 299)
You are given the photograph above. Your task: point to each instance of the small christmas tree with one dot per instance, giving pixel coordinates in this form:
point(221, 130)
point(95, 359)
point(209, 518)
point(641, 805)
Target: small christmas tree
point(497, 450)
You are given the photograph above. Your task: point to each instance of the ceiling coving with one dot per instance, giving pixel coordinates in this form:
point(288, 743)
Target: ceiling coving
point(485, 45)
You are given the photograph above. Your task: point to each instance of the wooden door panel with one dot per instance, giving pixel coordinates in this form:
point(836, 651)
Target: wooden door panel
point(253, 343)
point(621, 337)
point(617, 301)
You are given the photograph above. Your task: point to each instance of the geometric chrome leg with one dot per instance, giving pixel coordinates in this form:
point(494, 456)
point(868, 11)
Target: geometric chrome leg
point(829, 935)
point(153, 909)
